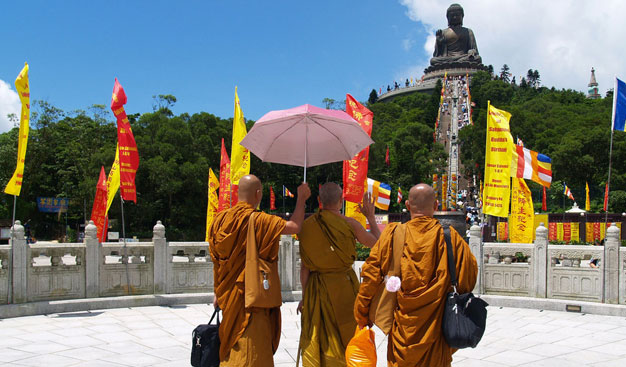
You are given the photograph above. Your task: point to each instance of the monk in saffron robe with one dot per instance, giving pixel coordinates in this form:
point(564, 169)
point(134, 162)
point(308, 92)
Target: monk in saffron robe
point(248, 336)
point(416, 338)
point(328, 250)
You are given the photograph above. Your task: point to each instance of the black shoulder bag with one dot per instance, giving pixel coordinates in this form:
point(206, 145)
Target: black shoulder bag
point(465, 316)
point(205, 343)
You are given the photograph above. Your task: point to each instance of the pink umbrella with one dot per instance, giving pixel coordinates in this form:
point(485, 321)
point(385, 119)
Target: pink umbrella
point(306, 136)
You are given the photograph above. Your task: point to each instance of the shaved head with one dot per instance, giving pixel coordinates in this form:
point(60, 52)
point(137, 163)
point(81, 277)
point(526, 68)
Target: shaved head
point(422, 200)
point(250, 189)
point(330, 195)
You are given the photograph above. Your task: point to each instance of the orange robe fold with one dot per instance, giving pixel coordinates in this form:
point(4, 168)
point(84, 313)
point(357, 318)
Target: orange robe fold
point(328, 250)
point(416, 338)
point(227, 239)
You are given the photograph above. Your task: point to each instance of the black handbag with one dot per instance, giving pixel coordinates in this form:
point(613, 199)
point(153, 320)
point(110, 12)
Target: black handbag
point(465, 316)
point(205, 344)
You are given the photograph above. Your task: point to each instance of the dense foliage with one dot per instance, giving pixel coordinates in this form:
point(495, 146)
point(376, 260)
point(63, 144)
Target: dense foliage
point(572, 130)
point(66, 151)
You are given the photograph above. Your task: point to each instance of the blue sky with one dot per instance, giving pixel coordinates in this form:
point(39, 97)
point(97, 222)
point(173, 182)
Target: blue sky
point(283, 54)
point(280, 54)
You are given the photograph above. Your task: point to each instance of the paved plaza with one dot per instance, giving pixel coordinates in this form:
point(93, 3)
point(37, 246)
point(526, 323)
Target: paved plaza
point(161, 336)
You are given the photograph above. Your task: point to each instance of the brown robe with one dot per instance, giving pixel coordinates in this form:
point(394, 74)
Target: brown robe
point(328, 250)
point(255, 327)
point(416, 338)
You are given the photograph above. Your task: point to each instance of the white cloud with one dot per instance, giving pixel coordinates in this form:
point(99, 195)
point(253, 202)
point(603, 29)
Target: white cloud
point(562, 39)
point(407, 44)
point(9, 103)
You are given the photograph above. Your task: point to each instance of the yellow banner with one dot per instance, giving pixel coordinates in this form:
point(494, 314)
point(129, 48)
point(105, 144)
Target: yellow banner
point(539, 218)
point(113, 180)
point(498, 157)
point(575, 232)
point(521, 221)
point(239, 155)
point(444, 192)
point(503, 231)
point(213, 201)
point(14, 187)
point(353, 211)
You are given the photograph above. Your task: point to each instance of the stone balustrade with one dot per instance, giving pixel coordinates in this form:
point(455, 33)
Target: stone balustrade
point(541, 270)
point(53, 271)
point(31, 273)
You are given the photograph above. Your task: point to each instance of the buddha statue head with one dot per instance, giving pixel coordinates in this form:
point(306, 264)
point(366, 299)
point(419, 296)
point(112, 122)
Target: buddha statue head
point(455, 15)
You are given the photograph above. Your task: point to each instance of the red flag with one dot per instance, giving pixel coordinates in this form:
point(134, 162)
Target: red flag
point(98, 211)
point(606, 197)
point(544, 205)
point(272, 199)
point(387, 162)
point(224, 197)
point(129, 157)
point(355, 170)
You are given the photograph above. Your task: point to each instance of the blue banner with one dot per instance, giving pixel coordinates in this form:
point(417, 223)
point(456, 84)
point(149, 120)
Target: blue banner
point(52, 205)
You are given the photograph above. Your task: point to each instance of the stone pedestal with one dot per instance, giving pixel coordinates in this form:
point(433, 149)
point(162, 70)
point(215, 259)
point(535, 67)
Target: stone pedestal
point(20, 263)
point(611, 265)
point(540, 262)
point(160, 258)
point(475, 244)
point(92, 261)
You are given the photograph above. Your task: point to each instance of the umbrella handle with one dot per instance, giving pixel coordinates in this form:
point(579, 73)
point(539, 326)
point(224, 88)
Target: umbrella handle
point(306, 143)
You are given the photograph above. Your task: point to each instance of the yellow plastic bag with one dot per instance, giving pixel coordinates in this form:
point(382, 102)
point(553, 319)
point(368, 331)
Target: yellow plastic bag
point(361, 351)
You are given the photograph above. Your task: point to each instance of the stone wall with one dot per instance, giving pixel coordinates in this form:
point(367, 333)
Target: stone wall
point(542, 270)
point(50, 272)
point(92, 270)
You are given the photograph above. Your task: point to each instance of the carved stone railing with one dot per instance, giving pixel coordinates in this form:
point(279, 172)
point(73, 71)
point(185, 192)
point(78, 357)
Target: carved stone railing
point(507, 269)
point(58, 271)
point(5, 261)
point(583, 273)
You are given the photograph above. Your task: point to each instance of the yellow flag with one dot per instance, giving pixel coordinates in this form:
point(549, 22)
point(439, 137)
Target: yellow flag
point(353, 211)
point(213, 201)
point(587, 201)
point(522, 219)
point(14, 187)
point(498, 155)
point(239, 156)
point(113, 180)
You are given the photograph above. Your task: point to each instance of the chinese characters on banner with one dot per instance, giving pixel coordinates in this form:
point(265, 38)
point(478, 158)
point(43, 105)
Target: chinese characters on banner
point(239, 155)
point(444, 192)
point(566, 232)
point(14, 186)
point(595, 231)
point(498, 155)
point(453, 185)
point(355, 170)
point(503, 231)
point(521, 221)
point(213, 202)
point(128, 154)
point(224, 198)
point(99, 209)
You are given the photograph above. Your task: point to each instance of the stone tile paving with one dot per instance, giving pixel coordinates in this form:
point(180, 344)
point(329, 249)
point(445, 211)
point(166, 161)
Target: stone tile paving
point(161, 336)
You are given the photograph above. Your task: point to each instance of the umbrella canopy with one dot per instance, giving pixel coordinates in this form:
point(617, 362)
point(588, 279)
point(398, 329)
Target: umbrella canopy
point(306, 136)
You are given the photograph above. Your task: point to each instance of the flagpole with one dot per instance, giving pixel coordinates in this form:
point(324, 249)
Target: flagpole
point(124, 240)
point(10, 273)
point(608, 182)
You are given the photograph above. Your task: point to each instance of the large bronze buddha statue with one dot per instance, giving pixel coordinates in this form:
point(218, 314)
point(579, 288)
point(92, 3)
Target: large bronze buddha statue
point(455, 46)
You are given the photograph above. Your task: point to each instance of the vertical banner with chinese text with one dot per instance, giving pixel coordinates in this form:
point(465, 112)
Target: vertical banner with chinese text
point(14, 186)
point(444, 192)
point(99, 208)
point(239, 155)
point(128, 154)
point(521, 220)
point(498, 155)
point(212, 203)
point(355, 170)
point(224, 198)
